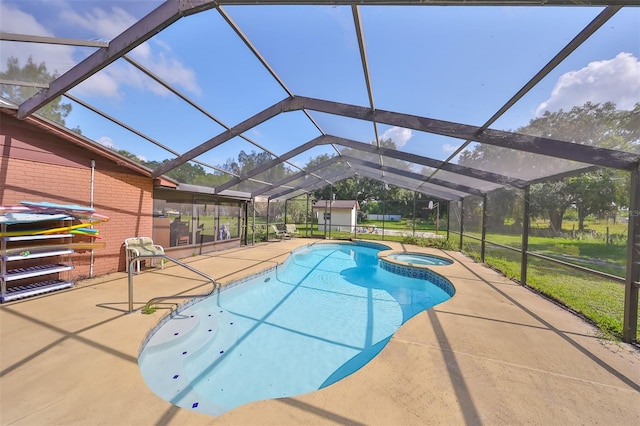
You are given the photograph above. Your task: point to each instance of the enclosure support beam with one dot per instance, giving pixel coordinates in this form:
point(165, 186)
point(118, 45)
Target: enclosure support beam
point(534, 144)
point(245, 225)
point(413, 227)
point(268, 201)
point(461, 222)
point(484, 227)
point(330, 215)
point(307, 216)
point(384, 205)
point(630, 320)
point(253, 223)
point(285, 211)
point(525, 235)
point(448, 218)
point(411, 175)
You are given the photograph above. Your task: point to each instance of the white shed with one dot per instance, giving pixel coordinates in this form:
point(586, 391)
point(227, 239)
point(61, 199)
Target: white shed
point(337, 215)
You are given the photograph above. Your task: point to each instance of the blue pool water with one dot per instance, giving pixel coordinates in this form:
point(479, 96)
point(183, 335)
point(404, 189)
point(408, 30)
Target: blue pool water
point(322, 315)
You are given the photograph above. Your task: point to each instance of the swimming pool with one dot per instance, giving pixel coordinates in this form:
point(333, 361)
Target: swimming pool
point(315, 319)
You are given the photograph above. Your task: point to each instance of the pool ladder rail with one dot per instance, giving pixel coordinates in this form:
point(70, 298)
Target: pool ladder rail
point(160, 298)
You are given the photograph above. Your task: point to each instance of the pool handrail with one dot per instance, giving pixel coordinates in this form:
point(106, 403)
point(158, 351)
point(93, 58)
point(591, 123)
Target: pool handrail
point(157, 299)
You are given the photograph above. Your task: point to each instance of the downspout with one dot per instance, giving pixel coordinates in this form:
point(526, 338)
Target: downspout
point(93, 174)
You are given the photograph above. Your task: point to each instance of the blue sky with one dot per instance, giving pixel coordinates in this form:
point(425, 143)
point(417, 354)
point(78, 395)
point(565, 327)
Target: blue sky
point(450, 63)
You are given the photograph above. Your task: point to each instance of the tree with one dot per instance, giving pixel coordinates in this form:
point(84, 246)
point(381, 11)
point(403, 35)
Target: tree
point(553, 199)
point(191, 173)
point(55, 110)
point(297, 210)
point(599, 125)
point(592, 193)
point(360, 187)
point(246, 162)
point(592, 124)
point(132, 156)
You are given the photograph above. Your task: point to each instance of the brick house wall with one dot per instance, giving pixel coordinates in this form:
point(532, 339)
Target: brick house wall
point(41, 164)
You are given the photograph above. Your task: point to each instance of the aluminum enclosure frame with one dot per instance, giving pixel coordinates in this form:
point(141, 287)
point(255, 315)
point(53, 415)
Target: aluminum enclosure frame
point(172, 10)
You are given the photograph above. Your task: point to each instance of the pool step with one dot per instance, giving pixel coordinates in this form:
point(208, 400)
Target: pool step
point(178, 328)
point(200, 336)
point(219, 336)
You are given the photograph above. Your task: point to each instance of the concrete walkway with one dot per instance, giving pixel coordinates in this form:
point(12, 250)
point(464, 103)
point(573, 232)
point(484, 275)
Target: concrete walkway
point(495, 354)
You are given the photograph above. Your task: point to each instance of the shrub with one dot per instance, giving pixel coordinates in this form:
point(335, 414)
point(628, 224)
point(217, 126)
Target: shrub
point(439, 243)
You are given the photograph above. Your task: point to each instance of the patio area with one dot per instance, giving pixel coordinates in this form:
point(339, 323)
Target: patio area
point(495, 354)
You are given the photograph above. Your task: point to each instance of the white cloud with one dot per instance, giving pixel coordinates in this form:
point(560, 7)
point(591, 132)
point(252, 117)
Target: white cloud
point(154, 55)
point(108, 25)
point(102, 84)
point(105, 141)
point(105, 24)
point(615, 80)
point(57, 58)
point(449, 148)
point(399, 135)
point(167, 68)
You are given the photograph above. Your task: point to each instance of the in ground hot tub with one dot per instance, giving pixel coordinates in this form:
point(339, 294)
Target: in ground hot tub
point(419, 259)
point(418, 265)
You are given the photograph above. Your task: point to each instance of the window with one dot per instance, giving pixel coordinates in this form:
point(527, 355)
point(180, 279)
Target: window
point(185, 218)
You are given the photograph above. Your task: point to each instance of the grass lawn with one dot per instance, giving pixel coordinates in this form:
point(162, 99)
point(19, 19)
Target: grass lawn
point(592, 253)
point(598, 299)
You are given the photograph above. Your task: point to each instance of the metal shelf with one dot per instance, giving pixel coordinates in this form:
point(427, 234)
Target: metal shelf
point(37, 237)
point(18, 274)
point(27, 250)
point(20, 292)
point(10, 257)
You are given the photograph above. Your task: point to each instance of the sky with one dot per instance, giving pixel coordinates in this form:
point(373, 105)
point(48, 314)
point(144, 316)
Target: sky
point(459, 64)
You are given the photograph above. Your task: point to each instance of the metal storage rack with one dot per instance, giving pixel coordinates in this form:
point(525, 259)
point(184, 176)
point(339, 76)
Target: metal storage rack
point(29, 269)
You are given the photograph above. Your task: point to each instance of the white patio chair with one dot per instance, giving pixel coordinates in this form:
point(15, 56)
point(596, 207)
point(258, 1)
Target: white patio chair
point(140, 246)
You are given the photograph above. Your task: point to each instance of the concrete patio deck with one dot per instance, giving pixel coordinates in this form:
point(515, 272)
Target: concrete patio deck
point(495, 354)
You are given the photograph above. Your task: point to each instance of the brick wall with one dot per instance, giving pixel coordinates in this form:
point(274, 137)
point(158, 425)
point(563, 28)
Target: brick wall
point(60, 172)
